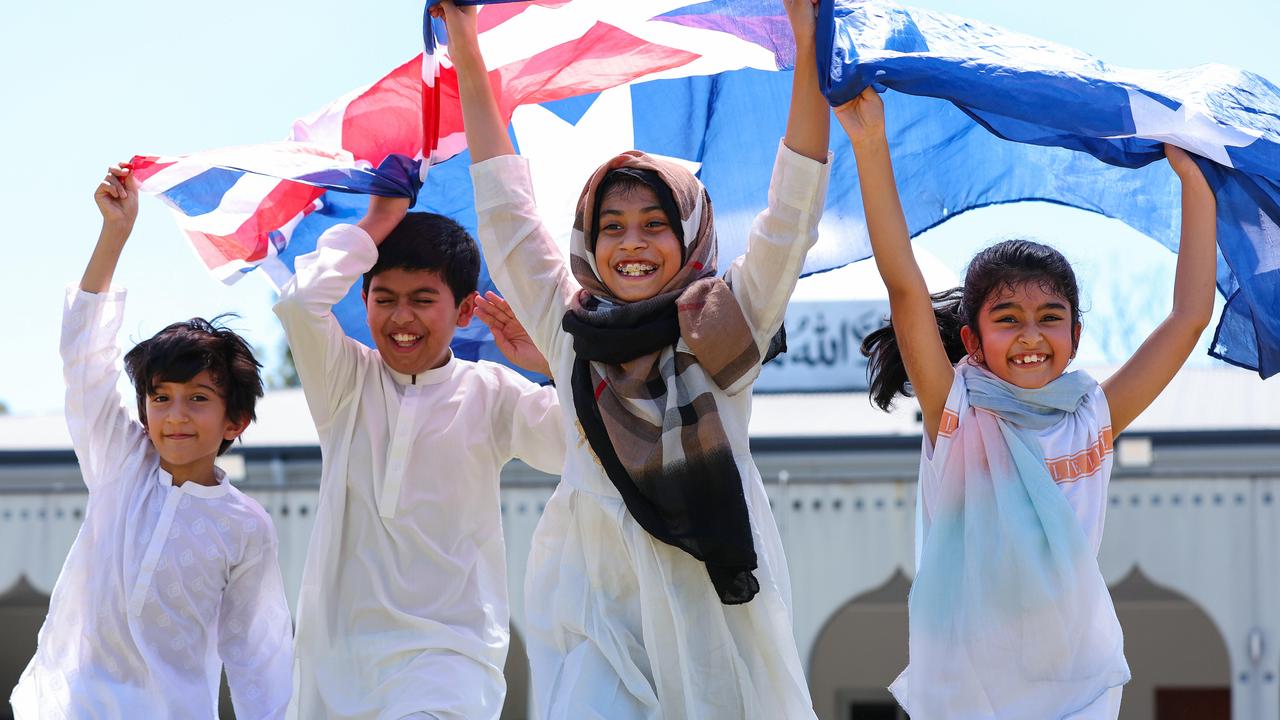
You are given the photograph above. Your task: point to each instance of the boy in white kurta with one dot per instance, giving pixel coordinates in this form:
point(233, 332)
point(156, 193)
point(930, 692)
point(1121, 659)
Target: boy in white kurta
point(403, 610)
point(173, 573)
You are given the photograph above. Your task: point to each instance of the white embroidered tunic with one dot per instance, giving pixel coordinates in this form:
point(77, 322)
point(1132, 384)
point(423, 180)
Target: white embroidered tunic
point(163, 585)
point(403, 606)
point(621, 625)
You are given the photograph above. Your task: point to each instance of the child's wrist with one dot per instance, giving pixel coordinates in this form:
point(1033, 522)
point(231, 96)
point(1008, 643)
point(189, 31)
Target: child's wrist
point(873, 142)
point(115, 230)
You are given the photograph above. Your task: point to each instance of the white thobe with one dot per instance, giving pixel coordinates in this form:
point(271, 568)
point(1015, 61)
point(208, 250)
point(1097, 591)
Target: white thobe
point(621, 625)
point(164, 584)
point(403, 607)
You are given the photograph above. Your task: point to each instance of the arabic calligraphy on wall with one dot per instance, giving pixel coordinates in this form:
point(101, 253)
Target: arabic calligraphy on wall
point(823, 347)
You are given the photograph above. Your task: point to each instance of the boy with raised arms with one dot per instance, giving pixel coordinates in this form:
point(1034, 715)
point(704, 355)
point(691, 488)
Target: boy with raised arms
point(403, 610)
point(173, 575)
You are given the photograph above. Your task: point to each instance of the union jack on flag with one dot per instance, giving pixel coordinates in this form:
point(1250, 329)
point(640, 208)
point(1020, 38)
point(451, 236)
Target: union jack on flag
point(982, 116)
point(258, 207)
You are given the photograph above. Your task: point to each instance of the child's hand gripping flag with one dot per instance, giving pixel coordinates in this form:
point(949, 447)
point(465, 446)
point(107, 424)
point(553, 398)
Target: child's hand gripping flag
point(261, 206)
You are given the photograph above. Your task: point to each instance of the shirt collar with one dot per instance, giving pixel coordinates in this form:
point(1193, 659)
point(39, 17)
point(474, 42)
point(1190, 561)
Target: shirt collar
point(194, 488)
point(426, 377)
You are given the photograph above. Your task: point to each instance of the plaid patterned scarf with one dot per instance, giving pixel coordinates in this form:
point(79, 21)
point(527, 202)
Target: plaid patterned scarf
point(643, 384)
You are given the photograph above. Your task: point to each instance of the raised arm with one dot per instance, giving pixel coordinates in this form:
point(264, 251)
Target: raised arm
point(102, 432)
point(325, 357)
point(1137, 383)
point(914, 322)
point(117, 199)
point(809, 119)
point(764, 278)
point(486, 132)
point(523, 259)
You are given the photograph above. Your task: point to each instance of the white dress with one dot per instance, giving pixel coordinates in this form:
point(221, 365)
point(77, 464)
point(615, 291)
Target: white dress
point(164, 584)
point(403, 607)
point(621, 625)
point(1079, 454)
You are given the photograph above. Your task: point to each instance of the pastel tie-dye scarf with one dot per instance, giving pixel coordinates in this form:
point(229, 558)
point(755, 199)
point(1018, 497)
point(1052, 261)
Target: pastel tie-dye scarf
point(1009, 615)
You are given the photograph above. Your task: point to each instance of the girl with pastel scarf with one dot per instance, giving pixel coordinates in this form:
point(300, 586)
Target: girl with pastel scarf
point(657, 586)
point(1009, 614)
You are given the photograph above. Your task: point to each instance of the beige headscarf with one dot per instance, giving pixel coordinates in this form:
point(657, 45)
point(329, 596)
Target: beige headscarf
point(644, 379)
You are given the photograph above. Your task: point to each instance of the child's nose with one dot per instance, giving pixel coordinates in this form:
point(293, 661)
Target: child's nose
point(633, 239)
point(401, 313)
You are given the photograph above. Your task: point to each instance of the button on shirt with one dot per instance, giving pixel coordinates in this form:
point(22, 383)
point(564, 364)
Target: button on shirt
point(164, 584)
point(403, 607)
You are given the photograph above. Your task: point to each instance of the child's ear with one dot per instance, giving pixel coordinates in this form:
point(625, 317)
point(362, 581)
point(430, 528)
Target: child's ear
point(467, 309)
point(972, 343)
point(234, 428)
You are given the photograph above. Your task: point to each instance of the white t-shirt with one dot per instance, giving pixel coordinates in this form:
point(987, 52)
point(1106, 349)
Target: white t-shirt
point(1077, 450)
point(164, 585)
point(403, 606)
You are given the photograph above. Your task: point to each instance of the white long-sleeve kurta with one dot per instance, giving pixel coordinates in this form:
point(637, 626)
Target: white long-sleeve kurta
point(621, 625)
point(164, 585)
point(403, 606)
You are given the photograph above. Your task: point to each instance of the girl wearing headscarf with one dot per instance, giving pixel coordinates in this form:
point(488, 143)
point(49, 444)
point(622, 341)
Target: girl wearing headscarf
point(657, 585)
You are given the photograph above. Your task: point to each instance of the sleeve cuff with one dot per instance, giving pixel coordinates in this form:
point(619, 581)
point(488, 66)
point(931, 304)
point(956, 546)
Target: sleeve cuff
point(502, 180)
point(77, 298)
point(352, 241)
point(799, 181)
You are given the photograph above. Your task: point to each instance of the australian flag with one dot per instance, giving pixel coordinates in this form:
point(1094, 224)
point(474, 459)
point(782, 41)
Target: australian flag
point(980, 116)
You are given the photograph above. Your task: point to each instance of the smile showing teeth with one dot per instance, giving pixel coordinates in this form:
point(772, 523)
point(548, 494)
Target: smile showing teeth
point(405, 339)
point(635, 269)
point(1029, 359)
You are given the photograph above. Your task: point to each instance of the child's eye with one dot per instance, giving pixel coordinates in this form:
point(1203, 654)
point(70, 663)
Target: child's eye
point(1050, 318)
point(655, 224)
point(159, 398)
point(199, 397)
point(1006, 319)
point(382, 301)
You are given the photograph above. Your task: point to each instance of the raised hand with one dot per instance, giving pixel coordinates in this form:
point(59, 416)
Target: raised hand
point(863, 117)
point(117, 198)
point(383, 215)
point(1182, 163)
point(802, 14)
point(509, 335)
point(460, 22)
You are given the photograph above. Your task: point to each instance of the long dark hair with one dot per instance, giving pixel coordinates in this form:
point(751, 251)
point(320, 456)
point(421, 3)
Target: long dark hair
point(1000, 267)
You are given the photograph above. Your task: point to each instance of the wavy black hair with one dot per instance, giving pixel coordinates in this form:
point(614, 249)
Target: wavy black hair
point(996, 269)
point(184, 349)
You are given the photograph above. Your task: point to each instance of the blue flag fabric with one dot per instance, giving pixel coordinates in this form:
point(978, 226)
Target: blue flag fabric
point(710, 88)
point(964, 84)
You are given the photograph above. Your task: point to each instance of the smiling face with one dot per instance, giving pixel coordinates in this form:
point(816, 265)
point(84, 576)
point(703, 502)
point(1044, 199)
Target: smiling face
point(412, 316)
point(187, 422)
point(1025, 335)
point(637, 251)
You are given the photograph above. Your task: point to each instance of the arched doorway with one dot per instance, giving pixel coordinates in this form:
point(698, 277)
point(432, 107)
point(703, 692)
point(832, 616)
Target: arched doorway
point(1181, 669)
point(861, 649)
point(1180, 665)
point(22, 612)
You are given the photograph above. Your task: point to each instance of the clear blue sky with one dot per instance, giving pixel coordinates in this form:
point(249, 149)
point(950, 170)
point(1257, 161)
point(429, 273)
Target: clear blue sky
point(87, 84)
